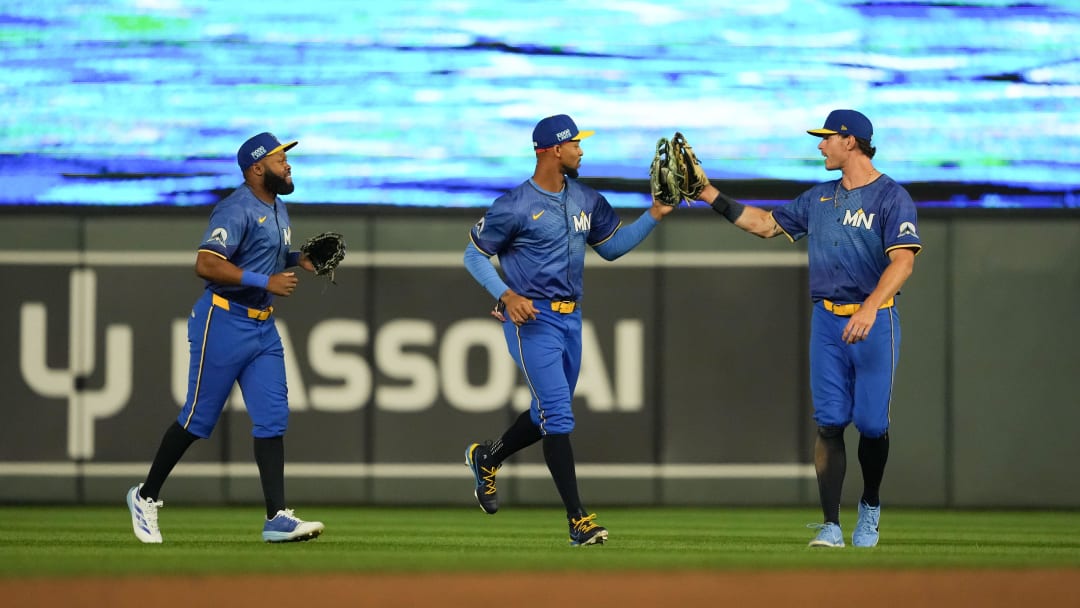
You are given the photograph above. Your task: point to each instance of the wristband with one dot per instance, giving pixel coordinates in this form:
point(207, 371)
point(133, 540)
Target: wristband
point(727, 207)
point(254, 279)
point(293, 259)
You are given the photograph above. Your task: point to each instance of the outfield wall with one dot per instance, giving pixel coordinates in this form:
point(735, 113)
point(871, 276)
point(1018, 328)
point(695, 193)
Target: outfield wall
point(693, 388)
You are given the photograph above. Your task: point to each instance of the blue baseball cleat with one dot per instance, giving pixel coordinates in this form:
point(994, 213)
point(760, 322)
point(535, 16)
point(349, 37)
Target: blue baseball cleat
point(829, 535)
point(866, 529)
point(585, 531)
point(286, 527)
point(476, 457)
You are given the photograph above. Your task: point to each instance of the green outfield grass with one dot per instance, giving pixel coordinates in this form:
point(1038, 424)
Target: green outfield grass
point(63, 541)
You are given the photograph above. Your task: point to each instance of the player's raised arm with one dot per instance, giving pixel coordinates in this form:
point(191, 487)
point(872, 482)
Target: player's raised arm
point(754, 220)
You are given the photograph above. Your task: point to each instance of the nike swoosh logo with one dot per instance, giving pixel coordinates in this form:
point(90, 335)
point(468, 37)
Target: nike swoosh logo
point(536, 216)
point(262, 219)
point(823, 199)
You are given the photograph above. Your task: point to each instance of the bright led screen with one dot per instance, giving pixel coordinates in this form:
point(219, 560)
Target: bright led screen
point(432, 104)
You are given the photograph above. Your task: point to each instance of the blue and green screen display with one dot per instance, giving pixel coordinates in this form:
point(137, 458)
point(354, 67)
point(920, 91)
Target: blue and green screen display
point(432, 103)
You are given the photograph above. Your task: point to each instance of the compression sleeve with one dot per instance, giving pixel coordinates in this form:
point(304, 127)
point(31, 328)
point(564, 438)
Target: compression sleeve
point(626, 238)
point(479, 266)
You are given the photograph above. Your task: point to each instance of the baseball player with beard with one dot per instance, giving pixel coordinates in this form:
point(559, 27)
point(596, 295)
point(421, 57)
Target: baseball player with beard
point(863, 238)
point(540, 231)
point(243, 257)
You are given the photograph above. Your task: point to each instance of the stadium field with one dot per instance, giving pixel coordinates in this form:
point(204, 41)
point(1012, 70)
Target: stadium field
point(439, 556)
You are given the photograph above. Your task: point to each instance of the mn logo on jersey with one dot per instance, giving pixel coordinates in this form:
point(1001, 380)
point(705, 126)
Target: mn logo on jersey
point(907, 229)
point(858, 218)
point(582, 222)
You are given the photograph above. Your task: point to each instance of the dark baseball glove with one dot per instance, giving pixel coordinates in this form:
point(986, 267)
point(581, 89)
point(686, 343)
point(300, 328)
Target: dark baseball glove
point(692, 178)
point(325, 251)
point(664, 178)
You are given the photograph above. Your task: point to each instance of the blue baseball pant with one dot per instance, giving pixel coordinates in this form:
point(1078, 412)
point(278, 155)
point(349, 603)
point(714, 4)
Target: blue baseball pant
point(853, 382)
point(226, 347)
point(548, 352)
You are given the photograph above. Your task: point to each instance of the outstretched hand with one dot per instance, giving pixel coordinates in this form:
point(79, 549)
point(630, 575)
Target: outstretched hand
point(659, 209)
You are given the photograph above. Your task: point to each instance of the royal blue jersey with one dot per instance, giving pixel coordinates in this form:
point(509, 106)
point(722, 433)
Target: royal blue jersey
point(850, 234)
point(540, 237)
point(253, 236)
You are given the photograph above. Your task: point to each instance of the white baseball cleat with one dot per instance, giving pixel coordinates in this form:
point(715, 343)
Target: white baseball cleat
point(144, 516)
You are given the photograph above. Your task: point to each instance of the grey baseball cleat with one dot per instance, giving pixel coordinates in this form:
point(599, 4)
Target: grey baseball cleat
point(286, 527)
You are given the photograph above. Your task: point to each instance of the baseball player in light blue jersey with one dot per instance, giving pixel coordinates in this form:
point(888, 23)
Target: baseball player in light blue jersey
point(862, 233)
point(540, 231)
point(243, 257)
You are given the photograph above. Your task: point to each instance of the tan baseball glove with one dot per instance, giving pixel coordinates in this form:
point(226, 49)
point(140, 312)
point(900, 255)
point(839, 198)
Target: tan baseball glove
point(692, 178)
point(664, 178)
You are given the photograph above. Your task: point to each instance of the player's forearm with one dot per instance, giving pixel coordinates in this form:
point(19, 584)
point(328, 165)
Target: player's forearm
point(216, 269)
point(627, 237)
point(752, 219)
point(758, 222)
point(479, 266)
point(891, 281)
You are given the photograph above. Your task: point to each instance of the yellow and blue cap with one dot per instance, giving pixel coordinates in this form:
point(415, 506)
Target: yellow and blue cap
point(259, 147)
point(845, 122)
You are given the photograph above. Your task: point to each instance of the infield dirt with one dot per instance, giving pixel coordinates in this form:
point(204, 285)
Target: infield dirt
point(806, 589)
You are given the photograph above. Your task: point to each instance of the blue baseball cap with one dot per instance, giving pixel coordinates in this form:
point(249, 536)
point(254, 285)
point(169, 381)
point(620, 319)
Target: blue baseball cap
point(555, 130)
point(259, 147)
point(845, 122)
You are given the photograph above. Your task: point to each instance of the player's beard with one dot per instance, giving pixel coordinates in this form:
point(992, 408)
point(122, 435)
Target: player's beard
point(277, 184)
point(570, 172)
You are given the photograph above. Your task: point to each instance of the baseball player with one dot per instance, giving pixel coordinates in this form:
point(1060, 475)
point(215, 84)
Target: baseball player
point(243, 256)
point(863, 238)
point(540, 231)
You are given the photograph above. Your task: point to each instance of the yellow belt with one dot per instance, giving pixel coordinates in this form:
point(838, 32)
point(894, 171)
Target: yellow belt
point(846, 310)
point(252, 313)
point(564, 307)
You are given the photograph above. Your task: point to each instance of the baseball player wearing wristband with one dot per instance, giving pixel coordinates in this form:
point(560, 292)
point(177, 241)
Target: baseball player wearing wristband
point(540, 231)
point(863, 236)
point(233, 338)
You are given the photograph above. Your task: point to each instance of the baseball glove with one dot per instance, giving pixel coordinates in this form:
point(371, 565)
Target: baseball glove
point(325, 251)
point(692, 178)
point(664, 178)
